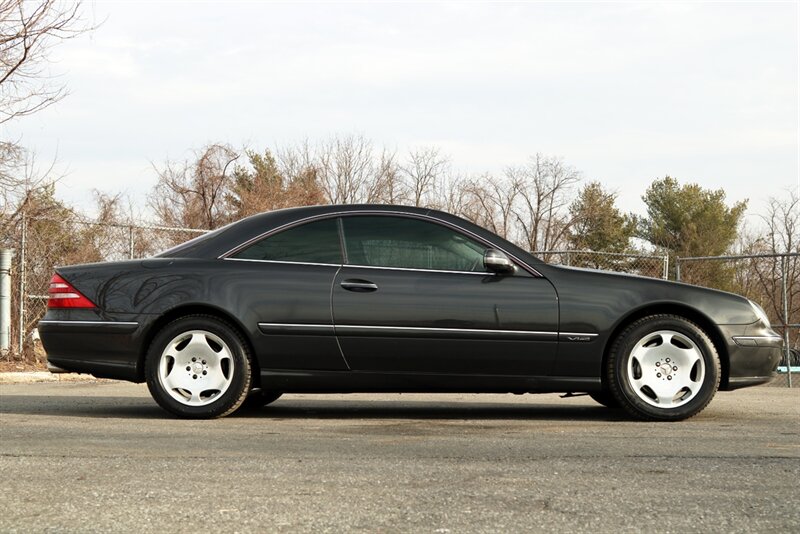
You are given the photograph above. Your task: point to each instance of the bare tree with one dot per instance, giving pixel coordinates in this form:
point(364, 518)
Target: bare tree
point(262, 185)
point(22, 190)
point(453, 196)
point(490, 203)
point(192, 195)
point(28, 31)
point(545, 189)
point(347, 170)
point(783, 222)
point(423, 174)
point(11, 158)
point(782, 235)
point(387, 186)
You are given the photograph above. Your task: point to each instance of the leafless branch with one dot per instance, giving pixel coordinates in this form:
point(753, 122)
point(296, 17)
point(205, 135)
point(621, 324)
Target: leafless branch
point(28, 31)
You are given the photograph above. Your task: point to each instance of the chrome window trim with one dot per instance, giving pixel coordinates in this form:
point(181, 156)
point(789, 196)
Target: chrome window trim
point(342, 213)
point(479, 273)
point(284, 262)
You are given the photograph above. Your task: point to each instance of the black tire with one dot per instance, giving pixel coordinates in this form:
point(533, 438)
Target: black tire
point(198, 367)
point(259, 398)
point(657, 355)
point(606, 399)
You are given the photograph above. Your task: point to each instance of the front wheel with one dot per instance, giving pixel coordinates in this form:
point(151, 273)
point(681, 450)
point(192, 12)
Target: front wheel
point(198, 367)
point(663, 368)
point(605, 398)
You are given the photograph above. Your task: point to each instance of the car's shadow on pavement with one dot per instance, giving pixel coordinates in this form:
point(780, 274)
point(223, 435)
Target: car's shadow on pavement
point(288, 408)
point(428, 410)
point(73, 406)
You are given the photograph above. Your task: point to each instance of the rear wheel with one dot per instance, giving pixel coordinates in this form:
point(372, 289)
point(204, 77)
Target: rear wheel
point(198, 367)
point(663, 367)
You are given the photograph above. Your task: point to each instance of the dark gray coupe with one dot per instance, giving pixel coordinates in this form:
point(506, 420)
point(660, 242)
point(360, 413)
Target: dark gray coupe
point(395, 299)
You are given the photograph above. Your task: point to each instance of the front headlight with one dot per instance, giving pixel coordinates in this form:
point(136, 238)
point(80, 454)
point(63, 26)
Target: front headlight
point(760, 313)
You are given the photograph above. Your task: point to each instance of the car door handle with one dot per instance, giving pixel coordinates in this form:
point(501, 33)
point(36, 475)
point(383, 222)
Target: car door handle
point(359, 286)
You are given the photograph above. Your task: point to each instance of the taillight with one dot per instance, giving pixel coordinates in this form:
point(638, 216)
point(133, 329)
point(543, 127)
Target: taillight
point(63, 295)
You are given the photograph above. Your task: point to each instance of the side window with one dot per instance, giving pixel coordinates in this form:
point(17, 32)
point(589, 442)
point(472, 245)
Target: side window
point(315, 242)
point(409, 243)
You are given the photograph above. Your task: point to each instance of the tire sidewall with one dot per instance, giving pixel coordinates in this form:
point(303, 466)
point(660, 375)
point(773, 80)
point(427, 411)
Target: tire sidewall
point(621, 354)
point(226, 403)
point(259, 398)
point(605, 398)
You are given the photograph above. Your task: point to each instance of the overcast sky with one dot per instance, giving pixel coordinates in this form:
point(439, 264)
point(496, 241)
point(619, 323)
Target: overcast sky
point(624, 92)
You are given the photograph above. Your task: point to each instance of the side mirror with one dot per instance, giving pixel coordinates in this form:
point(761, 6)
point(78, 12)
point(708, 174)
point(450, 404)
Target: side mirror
point(497, 262)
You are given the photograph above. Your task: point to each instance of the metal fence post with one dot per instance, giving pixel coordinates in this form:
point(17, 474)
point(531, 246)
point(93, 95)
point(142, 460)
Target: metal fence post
point(5, 300)
point(677, 269)
point(785, 290)
point(666, 267)
point(21, 299)
point(130, 242)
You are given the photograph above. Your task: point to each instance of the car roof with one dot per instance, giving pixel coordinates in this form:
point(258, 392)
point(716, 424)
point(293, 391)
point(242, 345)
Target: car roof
point(216, 243)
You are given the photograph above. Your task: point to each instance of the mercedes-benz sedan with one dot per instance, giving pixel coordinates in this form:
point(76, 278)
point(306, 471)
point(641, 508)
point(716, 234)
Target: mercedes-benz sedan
point(395, 299)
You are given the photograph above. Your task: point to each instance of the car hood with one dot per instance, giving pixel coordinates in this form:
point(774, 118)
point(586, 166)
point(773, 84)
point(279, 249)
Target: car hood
point(579, 287)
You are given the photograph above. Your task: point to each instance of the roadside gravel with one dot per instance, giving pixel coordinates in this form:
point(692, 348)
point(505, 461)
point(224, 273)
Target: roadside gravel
point(27, 377)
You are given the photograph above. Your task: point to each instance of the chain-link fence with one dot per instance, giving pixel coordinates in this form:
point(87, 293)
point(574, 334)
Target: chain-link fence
point(43, 244)
point(643, 265)
point(771, 280)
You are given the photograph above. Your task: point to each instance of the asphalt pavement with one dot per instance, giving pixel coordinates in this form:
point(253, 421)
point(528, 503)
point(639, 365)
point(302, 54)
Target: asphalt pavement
point(100, 456)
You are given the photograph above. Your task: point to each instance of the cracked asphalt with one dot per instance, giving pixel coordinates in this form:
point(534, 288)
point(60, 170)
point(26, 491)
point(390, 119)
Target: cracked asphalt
point(100, 456)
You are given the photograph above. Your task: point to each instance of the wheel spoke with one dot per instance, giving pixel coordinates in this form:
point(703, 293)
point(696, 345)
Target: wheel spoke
point(199, 347)
point(639, 383)
point(176, 379)
point(685, 356)
point(216, 380)
point(665, 394)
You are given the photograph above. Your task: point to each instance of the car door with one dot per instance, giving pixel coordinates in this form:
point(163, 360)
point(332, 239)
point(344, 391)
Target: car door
point(414, 296)
point(281, 285)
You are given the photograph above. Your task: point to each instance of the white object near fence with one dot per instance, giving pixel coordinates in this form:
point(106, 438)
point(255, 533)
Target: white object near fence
point(5, 299)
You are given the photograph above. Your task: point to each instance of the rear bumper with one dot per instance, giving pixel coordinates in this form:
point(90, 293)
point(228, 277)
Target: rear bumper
point(54, 369)
point(105, 349)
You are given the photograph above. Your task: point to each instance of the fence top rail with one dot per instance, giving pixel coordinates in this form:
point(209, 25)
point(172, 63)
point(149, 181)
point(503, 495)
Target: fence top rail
point(600, 253)
point(147, 227)
point(132, 224)
point(741, 257)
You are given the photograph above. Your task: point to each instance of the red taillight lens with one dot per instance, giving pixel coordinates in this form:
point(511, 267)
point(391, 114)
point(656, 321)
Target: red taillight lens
point(63, 295)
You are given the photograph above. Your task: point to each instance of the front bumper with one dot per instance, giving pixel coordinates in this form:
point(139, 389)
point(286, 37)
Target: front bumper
point(754, 352)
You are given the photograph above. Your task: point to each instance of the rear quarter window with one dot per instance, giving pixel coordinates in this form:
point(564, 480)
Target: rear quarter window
point(314, 242)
